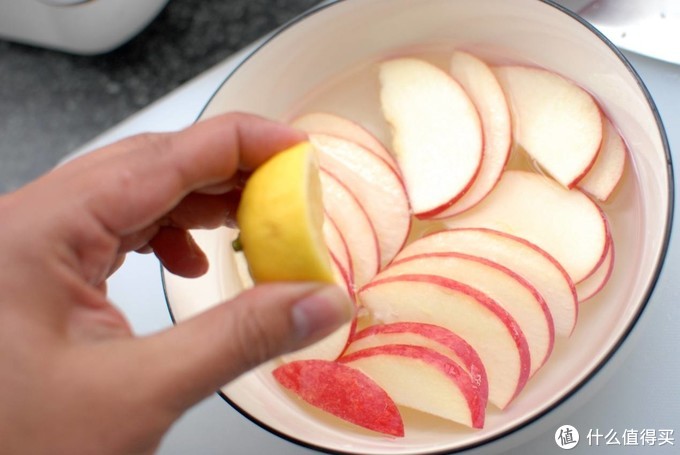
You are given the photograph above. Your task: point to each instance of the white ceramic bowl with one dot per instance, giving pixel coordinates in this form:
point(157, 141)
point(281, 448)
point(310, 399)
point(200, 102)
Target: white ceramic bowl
point(323, 61)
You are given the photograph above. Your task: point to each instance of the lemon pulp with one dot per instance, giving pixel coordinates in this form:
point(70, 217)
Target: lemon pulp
point(280, 217)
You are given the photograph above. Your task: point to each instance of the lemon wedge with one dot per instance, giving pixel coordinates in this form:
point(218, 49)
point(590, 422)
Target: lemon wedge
point(281, 219)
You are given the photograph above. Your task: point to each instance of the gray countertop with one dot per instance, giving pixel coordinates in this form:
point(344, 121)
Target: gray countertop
point(53, 102)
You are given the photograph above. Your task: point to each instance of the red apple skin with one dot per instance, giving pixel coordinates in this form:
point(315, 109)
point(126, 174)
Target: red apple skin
point(399, 95)
point(515, 238)
point(343, 391)
point(475, 399)
point(586, 171)
point(576, 179)
point(345, 277)
point(494, 113)
point(466, 353)
point(589, 287)
point(534, 247)
point(583, 249)
point(431, 214)
point(344, 128)
point(331, 175)
point(574, 183)
point(613, 147)
point(605, 250)
point(346, 269)
point(512, 326)
point(391, 237)
point(349, 287)
point(537, 296)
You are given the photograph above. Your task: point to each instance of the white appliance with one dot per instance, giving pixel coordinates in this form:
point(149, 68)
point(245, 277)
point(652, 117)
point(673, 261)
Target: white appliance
point(76, 26)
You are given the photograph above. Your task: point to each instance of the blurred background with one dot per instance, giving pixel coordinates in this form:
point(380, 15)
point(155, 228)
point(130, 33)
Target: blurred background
point(52, 102)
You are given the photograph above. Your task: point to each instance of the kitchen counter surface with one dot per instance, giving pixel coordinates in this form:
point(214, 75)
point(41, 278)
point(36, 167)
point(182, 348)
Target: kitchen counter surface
point(52, 102)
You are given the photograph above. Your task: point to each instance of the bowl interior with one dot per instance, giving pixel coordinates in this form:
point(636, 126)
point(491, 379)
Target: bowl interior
point(327, 61)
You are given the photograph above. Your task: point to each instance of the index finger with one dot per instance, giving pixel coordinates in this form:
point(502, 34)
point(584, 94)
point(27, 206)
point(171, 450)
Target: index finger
point(144, 177)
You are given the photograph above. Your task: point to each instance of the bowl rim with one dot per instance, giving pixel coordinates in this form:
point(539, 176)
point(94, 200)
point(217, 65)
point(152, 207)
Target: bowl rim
point(628, 329)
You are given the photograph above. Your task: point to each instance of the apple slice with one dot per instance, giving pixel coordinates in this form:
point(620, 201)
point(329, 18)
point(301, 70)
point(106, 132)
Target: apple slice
point(473, 316)
point(353, 224)
point(422, 379)
point(436, 133)
point(429, 336)
point(607, 171)
point(587, 288)
point(337, 246)
point(335, 125)
point(376, 186)
point(332, 346)
point(555, 121)
point(344, 392)
point(533, 264)
point(565, 223)
point(481, 85)
point(512, 292)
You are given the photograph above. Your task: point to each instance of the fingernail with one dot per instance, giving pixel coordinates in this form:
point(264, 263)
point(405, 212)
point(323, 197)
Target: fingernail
point(321, 312)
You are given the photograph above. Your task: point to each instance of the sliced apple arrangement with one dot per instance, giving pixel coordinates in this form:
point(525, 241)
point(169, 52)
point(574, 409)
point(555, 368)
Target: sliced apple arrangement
point(468, 245)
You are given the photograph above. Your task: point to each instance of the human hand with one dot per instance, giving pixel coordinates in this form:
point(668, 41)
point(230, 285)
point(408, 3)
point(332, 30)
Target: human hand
point(73, 377)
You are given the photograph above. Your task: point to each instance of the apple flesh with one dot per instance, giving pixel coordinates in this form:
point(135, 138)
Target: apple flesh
point(335, 125)
point(422, 379)
point(589, 287)
point(429, 336)
point(513, 293)
point(436, 133)
point(481, 85)
point(606, 173)
point(337, 246)
point(565, 223)
point(530, 262)
point(344, 392)
point(377, 187)
point(468, 313)
point(344, 210)
point(555, 121)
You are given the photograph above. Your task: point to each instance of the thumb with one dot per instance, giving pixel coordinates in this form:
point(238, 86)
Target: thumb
point(198, 356)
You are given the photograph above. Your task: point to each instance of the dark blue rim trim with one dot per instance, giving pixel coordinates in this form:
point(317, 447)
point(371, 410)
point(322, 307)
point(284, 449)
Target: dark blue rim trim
point(629, 329)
